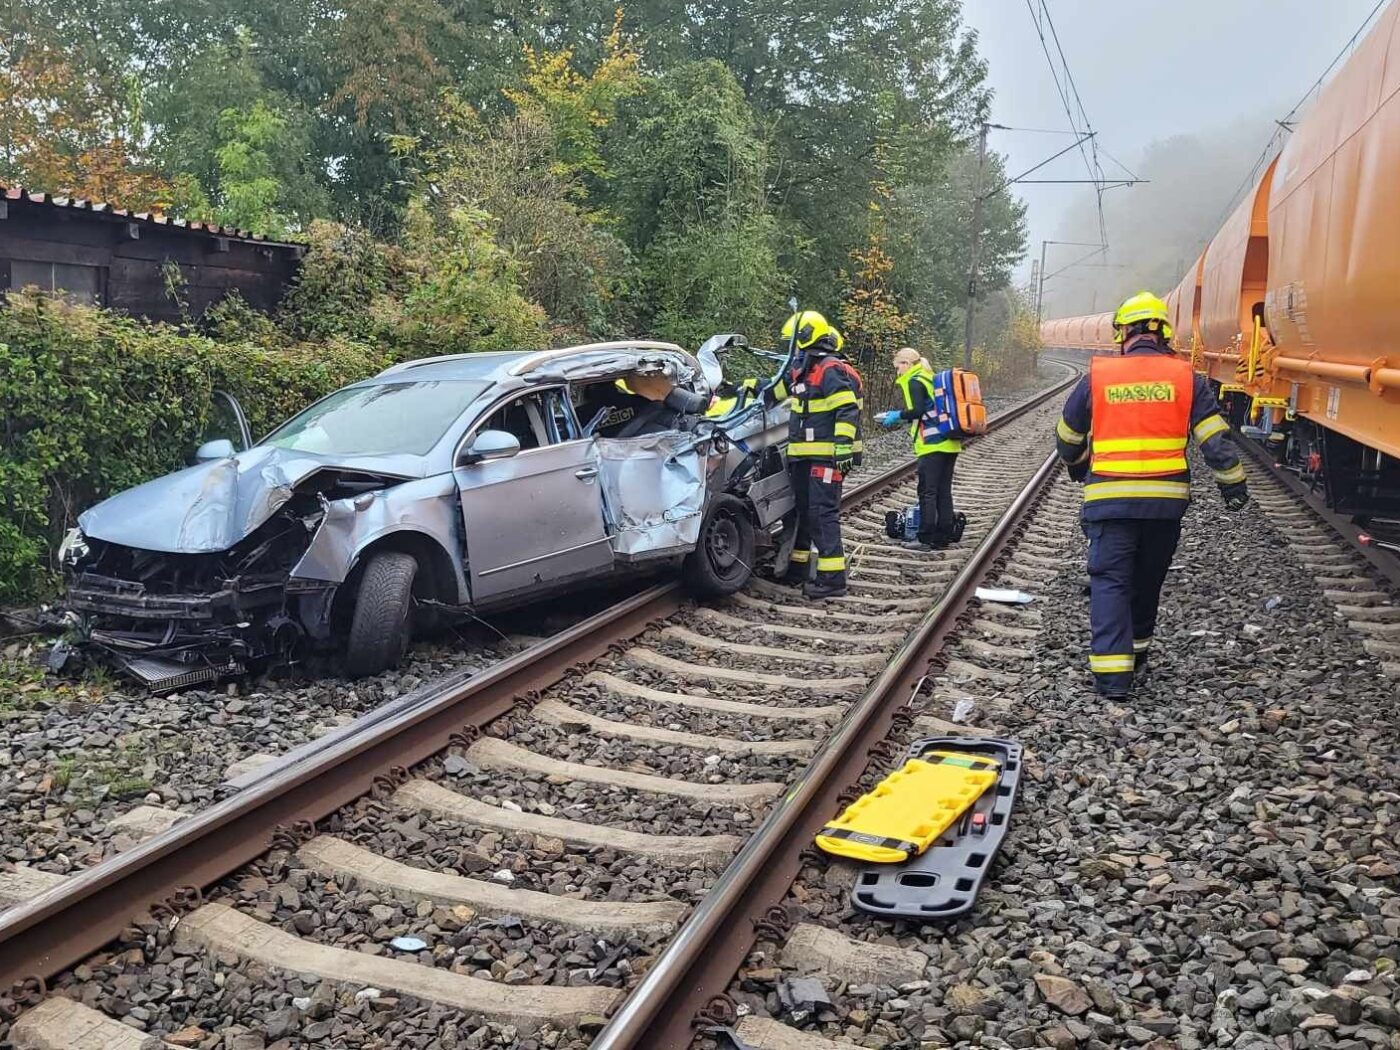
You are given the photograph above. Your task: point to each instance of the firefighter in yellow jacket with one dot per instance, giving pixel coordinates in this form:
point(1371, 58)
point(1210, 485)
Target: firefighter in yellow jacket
point(732, 396)
point(1124, 432)
point(823, 445)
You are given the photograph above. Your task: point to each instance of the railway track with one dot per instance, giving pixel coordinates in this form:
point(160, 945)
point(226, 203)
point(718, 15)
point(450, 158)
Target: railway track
point(1211, 864)
point(1357, 579)
point(988, 659)
point(620, 853)
point(542, 863)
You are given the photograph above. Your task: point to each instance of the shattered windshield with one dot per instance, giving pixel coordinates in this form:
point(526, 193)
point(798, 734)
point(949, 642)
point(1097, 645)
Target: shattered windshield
point(383, 419)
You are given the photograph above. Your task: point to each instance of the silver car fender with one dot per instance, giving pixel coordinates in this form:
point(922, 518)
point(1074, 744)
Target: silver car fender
point(426, 507)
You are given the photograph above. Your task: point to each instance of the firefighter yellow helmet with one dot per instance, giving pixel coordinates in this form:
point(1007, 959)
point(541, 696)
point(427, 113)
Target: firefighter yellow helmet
point(810, 326)
point(1143, 307)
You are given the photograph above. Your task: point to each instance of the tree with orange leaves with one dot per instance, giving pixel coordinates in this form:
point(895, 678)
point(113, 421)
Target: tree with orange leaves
point(66, 129)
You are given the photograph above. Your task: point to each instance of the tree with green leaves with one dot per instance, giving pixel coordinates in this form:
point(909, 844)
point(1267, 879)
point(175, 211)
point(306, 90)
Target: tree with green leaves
point(852, 86)
point(692, 191)
point(465, 293)
point(930, 227)
point(530, 171)
point(238, 151)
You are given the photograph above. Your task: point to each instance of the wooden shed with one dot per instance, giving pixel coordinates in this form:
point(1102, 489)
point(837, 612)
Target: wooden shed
point(106, 255)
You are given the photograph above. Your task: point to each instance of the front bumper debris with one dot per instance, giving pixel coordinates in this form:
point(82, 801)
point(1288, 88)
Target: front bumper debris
point(169, 641)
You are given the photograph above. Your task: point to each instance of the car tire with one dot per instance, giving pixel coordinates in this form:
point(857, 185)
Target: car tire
point(722, 561)
point(382, 624)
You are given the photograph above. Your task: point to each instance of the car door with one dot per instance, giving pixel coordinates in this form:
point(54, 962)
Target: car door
point(536, 517)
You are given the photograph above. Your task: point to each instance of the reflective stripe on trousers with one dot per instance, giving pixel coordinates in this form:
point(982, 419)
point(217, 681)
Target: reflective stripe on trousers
point(1128, 563)
point(817, 490)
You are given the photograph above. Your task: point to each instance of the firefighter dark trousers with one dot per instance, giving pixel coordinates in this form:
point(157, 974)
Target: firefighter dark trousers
point(936, 497)
point(1128, 562)
point(817, 490)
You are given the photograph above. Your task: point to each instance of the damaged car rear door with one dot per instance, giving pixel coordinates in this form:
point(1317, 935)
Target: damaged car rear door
point(531, 503)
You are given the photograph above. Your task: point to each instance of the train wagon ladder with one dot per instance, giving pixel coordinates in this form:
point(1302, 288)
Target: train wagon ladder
point(1198, 355)
point(1251, 365)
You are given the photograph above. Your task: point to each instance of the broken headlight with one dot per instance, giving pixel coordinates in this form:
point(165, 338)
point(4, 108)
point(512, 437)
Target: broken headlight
point(73, 548)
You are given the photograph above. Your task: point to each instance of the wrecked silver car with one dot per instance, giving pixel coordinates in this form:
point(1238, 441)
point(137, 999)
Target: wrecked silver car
point(453, 484)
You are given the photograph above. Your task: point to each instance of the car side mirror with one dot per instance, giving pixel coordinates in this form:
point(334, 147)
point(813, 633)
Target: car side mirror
point(220, 448)
point(491, 444)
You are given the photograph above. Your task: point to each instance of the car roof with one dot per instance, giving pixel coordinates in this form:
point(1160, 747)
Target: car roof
point(486, 366)
point(497, 366)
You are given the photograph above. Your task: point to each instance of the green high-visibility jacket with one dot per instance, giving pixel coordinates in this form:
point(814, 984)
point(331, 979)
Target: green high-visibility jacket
point(917, 387)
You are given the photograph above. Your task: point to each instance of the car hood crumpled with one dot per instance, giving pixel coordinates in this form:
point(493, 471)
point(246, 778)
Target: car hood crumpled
point(205, 508)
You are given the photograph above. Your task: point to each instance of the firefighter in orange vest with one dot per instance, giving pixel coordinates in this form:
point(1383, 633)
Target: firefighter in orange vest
point(1124, 432)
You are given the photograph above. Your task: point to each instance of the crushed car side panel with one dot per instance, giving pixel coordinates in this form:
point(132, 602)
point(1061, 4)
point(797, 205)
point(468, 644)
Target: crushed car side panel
point(755, 460)
point(654, 489)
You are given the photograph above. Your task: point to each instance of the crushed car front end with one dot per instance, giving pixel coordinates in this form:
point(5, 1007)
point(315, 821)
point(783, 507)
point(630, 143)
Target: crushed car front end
point(174, 619)
point(244, 558)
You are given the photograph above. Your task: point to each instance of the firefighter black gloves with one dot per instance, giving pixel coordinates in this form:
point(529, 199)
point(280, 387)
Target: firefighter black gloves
point(1235, 496)
point(1078, 471)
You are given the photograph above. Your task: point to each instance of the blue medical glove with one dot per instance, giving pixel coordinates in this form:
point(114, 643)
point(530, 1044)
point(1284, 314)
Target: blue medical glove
point(890, 419)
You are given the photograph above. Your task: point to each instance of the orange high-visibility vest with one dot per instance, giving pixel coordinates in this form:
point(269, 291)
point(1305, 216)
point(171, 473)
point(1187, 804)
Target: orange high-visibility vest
point(1141, 415)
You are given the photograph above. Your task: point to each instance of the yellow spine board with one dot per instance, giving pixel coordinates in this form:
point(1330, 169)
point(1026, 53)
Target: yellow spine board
point(906, 812)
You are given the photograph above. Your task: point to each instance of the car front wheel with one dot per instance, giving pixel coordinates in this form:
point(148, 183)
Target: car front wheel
point(381, 627)
point(722, 561)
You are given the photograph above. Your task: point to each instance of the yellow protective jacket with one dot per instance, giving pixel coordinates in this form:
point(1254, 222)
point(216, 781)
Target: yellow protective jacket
point(825, 393)
point(917, 387)
point(1160, 495)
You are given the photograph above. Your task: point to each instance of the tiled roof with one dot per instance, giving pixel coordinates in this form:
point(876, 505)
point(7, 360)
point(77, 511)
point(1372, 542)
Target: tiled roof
point(19, 193)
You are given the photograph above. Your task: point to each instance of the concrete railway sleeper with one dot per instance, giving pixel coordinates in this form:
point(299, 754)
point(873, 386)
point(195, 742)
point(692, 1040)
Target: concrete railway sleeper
point(513, 886)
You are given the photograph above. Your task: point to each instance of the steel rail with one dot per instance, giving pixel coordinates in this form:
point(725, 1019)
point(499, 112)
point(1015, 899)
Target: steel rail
point(1347, 530)
point(712, 944)
point(64, 925)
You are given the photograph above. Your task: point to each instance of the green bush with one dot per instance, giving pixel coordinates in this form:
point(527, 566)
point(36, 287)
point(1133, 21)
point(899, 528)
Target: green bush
point(92, 402)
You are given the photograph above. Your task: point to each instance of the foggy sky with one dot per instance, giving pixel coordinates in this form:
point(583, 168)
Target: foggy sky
point(1170, 85)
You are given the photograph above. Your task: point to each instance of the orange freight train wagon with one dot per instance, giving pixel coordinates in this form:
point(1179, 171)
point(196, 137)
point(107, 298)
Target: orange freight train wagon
point(1295, 303)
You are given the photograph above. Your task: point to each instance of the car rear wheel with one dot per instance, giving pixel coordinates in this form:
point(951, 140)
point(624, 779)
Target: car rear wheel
point(722, 561)
point(381, 627)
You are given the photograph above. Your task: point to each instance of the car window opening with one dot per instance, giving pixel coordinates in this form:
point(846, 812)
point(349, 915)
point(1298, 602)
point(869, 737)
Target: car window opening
point(542, 417)
point(522, 419)
point(613, 409)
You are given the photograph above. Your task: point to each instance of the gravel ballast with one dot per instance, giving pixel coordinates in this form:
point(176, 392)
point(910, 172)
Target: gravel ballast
point(155, 984)
point(1211, 864)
